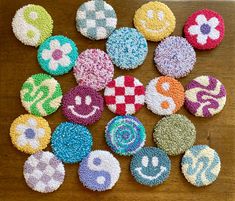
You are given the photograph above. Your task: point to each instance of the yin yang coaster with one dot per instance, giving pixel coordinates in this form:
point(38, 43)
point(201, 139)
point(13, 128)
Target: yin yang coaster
point(164, 95)
point(44, 172)
point(82, 105)
point(205, 96)
point(174, 134)
point(150, 166)
point(154, 20)
point(32, 24)
point(96, 19)
point(201, 165)
point(204, 29)
point(99, 171)
point(71, 142)
point(125, 135)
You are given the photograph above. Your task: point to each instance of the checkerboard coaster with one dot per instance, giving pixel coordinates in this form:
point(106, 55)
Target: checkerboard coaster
point(57, 55)
point(44, 172)
point(96, 19)
point(32, 24)
point(174, 57)
point(30, 133)
point(99, 171)
point(174, 134)
point(41, 94)
point(200, 165)
point(127, 48)
point(205, 96)
point(204, 29)
point(71, 142)
point(124, 95)
point(94, 68)
point(125, 135)
point(164, 95)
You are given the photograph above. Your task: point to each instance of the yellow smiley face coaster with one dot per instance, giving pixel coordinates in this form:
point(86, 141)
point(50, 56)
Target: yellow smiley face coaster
point(30, 133)
point(154, 20)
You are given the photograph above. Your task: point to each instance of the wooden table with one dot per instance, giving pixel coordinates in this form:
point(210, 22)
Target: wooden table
point(18, 62)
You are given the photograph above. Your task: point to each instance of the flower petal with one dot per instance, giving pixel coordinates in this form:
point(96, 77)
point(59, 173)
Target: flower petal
point(32, 122)
point(194, 30)
point(46, 54)
point(40, 132)
point(21, 128)
point(201, 19)
point(202, 39)
point(53, 65)
point(214, 34)
point(64, 61)
point(66, 48)
point(34, 143)
point(213, 22)
point(21, 140)
point(54, 44)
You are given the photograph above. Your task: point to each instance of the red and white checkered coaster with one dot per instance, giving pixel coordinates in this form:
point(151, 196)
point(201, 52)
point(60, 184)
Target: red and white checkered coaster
point(124, 95)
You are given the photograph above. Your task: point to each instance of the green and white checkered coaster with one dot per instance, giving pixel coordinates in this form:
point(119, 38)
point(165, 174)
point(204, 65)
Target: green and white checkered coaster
point(96, 19)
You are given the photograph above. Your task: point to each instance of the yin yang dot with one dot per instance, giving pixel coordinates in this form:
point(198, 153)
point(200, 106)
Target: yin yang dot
point(150, 14)
point(88, 100)
point(145, 161)
point(33, 15)
point(100, 180)
point(166, 86)
point(78, 100)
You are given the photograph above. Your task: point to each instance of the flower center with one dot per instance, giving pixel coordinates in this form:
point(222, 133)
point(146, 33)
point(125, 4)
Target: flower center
point(57, 54)
point(205, 28)
point(29, 133)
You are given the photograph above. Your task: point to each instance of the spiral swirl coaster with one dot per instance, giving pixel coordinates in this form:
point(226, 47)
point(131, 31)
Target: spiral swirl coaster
point(150, 166)
point(174, 134)
point(201, 165)
point(99, 171)
point(71, 142)
point(32, 24)
point(125, 135)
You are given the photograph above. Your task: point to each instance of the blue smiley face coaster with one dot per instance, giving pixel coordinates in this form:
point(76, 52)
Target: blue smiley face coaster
point(57, 55)
point(150, 166)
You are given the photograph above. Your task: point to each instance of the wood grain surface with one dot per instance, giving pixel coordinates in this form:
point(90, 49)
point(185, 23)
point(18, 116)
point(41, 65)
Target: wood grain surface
point(18, 62)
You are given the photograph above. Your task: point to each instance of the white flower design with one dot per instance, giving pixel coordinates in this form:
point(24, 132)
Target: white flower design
point(29, 133)
point(205, 28)
point(57, 54)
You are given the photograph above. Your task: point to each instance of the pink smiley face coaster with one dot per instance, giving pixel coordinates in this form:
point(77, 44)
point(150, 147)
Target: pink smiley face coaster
point(82, 105)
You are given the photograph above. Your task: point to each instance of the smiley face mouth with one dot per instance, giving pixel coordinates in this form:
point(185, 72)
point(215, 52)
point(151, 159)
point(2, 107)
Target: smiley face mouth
point(154, 30)
point(139, 170)
point(71, 108)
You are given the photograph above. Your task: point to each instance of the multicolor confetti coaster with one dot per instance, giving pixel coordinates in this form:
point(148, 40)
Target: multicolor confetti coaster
point(127, 48)
point(41, 94)
point(204, 29)
point(96, 19)
point(205, 96)
point(154, 20)
point(82, 105)
point(99, 171)
point(30, 133)
point(174, 134)
point(201, 165)
point(164, 95)
point(174, 57)
point(125, 135)
point(93, 68)
point(124, 95)
point(44, 172)
point(57, 55)
point(32, 24)
point(150, 166)
point(71, 142)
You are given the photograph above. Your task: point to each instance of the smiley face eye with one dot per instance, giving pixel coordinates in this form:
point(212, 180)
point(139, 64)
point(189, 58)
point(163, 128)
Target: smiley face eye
point(78, 100)
point(150, 14)
point(88, 100)
point(145, 161)
point(160, 15)
point(155, 161)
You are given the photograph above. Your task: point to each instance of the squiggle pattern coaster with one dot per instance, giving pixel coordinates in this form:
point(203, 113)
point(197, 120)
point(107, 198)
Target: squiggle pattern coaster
point(57, 55)
point(96, 19)
point(32, 25)
point(44, 172)
point(99, 171)
point(164, 95)
point(205, 96)
point(30, 133)
point(41, 95)
point(125, 135)
point(204, 29)
point(93, 68)
point(201, 165)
